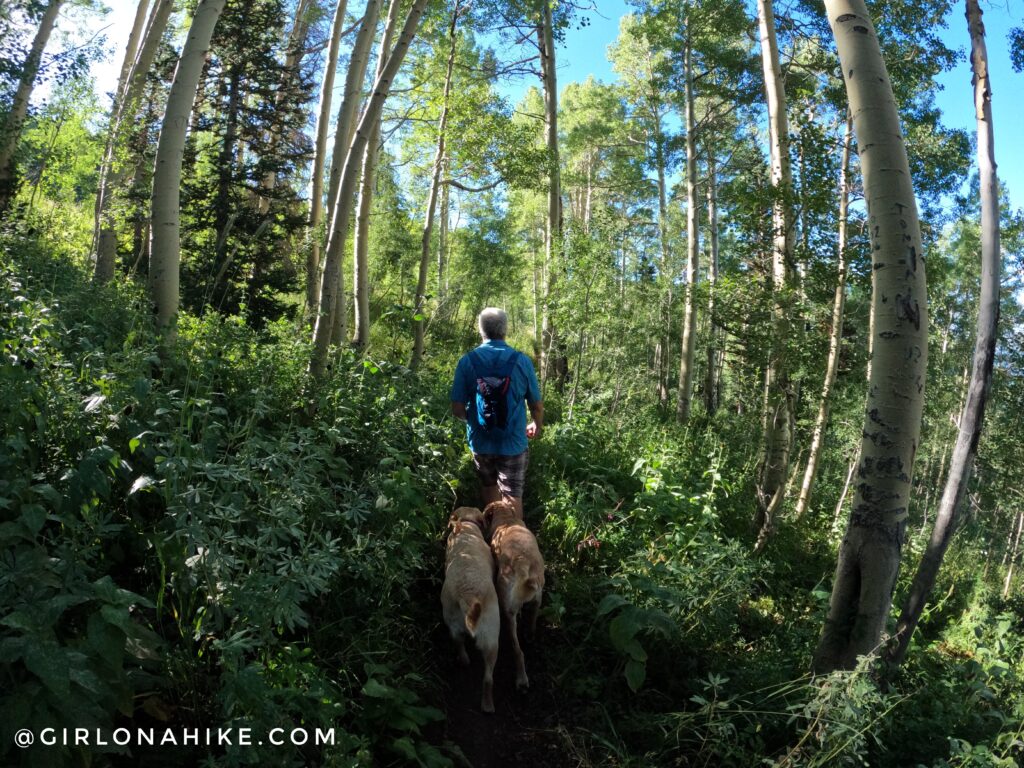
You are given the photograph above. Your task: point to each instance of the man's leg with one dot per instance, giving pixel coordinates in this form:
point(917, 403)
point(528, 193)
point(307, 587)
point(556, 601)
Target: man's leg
point(517, 502)
point(487, 472)
point(491, 493)
point(512, 479)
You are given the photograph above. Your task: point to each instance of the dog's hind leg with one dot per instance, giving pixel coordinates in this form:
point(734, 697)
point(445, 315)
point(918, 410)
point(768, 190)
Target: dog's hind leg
point(522, 681)
point(534, 613)
point(487, 699)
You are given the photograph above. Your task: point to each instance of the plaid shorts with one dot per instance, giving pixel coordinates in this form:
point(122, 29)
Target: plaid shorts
point(508, 472)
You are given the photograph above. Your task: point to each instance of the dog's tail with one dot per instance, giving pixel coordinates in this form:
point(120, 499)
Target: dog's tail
point(527, 584)
point(473, 616)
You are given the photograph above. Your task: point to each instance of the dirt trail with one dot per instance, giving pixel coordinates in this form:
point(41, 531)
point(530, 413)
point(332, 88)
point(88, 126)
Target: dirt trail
point(523, 731)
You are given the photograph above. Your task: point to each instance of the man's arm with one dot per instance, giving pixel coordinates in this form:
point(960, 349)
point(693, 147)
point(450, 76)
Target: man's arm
point(460, 393)
point(533, 429)
point(459, 410)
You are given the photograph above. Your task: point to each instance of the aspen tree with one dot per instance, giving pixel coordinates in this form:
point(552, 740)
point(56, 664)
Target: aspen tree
point(104, 268)
point(973, 413)
point(341, 215)
point(351, 98)
point(553, 232)
point(316, 184)
point(1012, 550)
point(112, 173)
point(778, 431)
point(165, 235)
point(343, 129)
point(320, 160)
point(869, 555)
point(442, 234)
point(711, 372)
point(10, 133)
point(364, 205)
point(419, 306)
point(835, 337)
point(689, 336)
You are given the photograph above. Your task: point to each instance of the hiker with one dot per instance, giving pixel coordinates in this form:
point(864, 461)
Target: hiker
point(491, 384)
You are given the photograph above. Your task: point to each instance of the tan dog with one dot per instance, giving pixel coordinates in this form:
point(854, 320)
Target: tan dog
point(520, 572)
point(468, 598)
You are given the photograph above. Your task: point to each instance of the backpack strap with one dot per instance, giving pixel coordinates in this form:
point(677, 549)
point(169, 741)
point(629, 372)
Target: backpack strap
point(502, 368)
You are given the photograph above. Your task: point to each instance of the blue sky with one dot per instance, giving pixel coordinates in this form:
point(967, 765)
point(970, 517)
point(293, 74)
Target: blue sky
point(585, 53)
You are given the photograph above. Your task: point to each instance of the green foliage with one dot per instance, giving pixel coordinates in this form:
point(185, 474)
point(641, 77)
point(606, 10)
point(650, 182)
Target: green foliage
point(184, 544)
point(199, 485)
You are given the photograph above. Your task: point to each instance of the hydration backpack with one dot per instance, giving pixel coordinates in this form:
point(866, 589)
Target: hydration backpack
point(493, 391)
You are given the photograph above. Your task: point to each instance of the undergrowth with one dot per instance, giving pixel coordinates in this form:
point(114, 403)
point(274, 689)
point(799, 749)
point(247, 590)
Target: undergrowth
point(184, 547)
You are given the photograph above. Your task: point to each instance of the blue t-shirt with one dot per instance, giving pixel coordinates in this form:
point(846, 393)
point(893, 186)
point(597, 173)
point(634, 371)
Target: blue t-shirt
point(523, 386)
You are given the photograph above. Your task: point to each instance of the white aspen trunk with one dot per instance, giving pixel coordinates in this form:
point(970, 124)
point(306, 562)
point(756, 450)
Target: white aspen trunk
point(354, 78)
point(869, 555)
point(842, 495)
point(364, 206)
point(10, 134)
point(442, 233)
point(536, 313)
point(973, 414)
point(778, 438)
point(420, 301)
point(113, 175)
point(623, 266)
point(665, 271)
point(711, 374)
point(342, 209)
point(165, 235)
point(131, 50)
point(553, 235)
point(316, 184)
point(103, 268)
point(835, 337)
point(1014, 550)
point(590, 195)
point(689, 335)
point(342, 142)
point(159, 17)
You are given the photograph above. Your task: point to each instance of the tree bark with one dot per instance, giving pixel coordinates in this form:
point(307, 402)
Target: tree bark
point(665, 272)
point(342, 208)
point(165, 235)
point(973, 414)
point(419, 305)
point(364, 206)
point(10, 134)
point(112, 174)
point(316, 184)
point(869, 555)
point(442, 234)
point(1013, 551)
point(550, 354)
point(835, 337)
point(337, 314)
point(712, 371)
point(689, 336)
point(104, 258)
point(354, 78)
point(778, 437)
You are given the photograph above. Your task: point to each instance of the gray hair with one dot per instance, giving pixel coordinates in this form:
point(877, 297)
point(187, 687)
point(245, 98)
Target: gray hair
point(493, 323)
